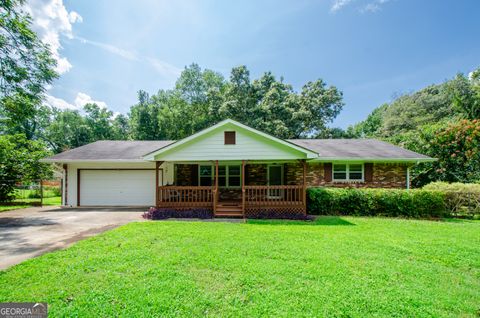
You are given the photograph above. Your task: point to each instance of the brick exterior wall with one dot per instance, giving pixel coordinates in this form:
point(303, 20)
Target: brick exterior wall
point(256, 174)
point(385, 175)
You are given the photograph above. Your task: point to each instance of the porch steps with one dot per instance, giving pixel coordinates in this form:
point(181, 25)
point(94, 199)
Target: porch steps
point(229, 210)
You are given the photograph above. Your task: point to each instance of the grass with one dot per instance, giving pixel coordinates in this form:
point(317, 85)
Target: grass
point(26, 198)
point(46, 201)
point(53, 201)
point(348, 266)
point(4, 208)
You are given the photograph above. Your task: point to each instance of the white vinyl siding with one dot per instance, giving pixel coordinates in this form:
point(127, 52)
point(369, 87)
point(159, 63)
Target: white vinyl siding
point(248, 146)
point(348, 172)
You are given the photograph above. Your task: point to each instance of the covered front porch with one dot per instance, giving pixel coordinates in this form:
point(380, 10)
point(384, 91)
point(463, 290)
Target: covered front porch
point(234, 188)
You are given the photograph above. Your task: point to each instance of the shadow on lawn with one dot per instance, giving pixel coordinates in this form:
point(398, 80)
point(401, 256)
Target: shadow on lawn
point(320, 220)
point(459, 220)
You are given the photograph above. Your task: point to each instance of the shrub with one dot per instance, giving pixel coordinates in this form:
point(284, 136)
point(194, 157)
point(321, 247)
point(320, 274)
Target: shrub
point(166, 213)
point(371, 202)
point(455, 186)
point(48, 192)
point(461, 199)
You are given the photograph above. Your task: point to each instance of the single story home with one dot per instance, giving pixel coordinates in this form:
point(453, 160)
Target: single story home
point(229, 168)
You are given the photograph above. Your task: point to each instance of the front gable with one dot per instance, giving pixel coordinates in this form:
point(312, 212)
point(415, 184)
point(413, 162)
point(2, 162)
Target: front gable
point(215, 143)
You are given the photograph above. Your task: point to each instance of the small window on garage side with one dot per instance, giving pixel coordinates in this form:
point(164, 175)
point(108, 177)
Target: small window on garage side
point(230, 138)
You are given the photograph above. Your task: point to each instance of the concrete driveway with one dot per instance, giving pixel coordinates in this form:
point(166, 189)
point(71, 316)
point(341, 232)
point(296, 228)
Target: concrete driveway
point(30, 232)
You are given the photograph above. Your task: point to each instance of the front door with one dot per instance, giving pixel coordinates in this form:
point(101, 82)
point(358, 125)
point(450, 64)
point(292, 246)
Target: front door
point(275, 178)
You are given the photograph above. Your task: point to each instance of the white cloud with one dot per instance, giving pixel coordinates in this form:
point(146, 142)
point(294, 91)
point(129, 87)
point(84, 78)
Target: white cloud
point(164, 68)
point(51, 20)
point(80, 100)
point(129, 55)
point(58, 103)
point(373, 6)
point(74, 17)
point(339, 4)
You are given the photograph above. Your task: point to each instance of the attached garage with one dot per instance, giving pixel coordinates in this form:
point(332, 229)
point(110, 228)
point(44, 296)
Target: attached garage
point(116, 187)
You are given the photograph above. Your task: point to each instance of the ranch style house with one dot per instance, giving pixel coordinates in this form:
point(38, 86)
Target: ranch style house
point(229, 167)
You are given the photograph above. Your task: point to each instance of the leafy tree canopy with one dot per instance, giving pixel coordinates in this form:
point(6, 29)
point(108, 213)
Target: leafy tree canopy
point(203, 97)
point(26, 67)
point(19, 161)
point(441, 121)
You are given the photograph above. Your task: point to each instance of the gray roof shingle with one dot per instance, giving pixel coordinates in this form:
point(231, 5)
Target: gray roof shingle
point(108, 150)
point(357, 149)
point(114, 150)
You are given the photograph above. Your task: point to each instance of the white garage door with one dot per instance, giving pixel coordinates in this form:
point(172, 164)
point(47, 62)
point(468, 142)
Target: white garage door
point(117, 187)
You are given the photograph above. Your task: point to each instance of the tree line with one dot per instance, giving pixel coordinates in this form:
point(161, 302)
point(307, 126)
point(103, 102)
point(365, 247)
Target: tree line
point(200, 98)
point(442, 121)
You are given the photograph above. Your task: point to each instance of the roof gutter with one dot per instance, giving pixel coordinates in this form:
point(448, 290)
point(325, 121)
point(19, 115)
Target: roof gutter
point(412, 160)
point(50, 160)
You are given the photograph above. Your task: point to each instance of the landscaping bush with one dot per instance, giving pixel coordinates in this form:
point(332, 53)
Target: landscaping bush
point(48, 192)
point(461, 199)
point(373, 202)
point(166, 213)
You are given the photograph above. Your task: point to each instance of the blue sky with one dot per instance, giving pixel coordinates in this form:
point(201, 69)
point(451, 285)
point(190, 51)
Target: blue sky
point(371, 50)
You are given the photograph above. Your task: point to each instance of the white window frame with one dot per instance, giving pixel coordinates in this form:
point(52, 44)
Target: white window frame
point(212, 173)
point(348, 172)
point(227, 175)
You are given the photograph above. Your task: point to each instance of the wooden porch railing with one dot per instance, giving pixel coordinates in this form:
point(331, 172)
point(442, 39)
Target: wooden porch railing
point(291, 196)
point(185, 196)
point(271, 196)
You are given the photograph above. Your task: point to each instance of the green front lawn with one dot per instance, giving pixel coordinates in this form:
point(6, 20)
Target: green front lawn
point(333, 267)
point(4, 208)
point(53, 201)
point(46, 201)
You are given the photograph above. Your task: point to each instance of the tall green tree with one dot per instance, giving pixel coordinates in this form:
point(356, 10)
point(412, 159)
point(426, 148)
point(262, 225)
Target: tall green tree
point(19, 162)
point(68, 129)
point(465, 94)
point(99, 120)
point(203, 97)
point(26, 67)
point(440, 121)
point(273, 106)
point(120, 127)
point(144, 119)
point(193, 87)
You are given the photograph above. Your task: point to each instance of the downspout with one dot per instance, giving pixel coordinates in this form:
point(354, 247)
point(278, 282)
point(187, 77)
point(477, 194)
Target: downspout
point(408, 177)
point(65, 185)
